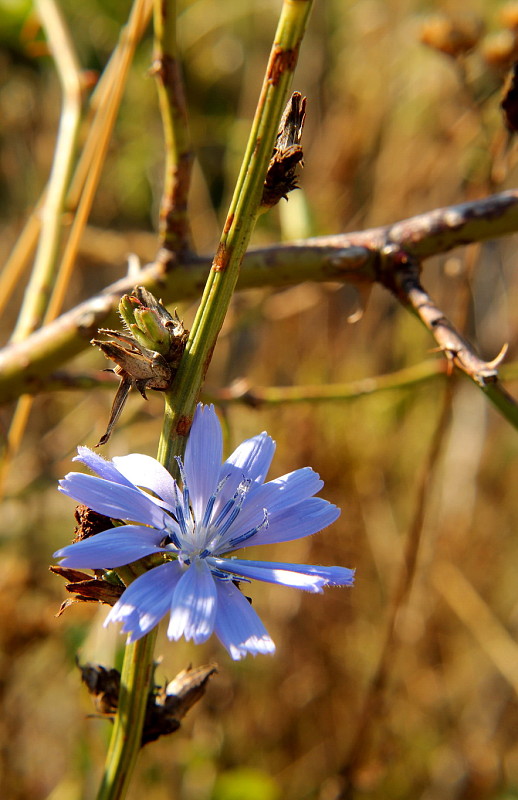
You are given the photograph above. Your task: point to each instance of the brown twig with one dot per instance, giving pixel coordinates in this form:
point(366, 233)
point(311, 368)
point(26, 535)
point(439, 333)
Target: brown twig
point(360, 258)
point(173, 220)
point(402, 277)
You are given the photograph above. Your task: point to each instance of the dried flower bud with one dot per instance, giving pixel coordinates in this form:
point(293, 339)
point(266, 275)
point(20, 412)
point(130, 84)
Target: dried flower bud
point(453, 37)
point(103, 685)
point(86, 589)
point(499, 50)
point(287, 153)
point(509, 16)
point(147, 357)
point(166, 706)
point(89, 523)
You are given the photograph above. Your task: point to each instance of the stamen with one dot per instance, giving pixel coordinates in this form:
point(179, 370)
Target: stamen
point(208, 509)
point(237, 501)
point(224, 511)
point(170, 538)
point(229, 522)
point(211, 501)
point(180, 513)
point(185, 492)
point(237, 540)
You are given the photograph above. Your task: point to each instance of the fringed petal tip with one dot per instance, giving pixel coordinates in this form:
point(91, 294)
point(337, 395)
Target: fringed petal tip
point(253, 646)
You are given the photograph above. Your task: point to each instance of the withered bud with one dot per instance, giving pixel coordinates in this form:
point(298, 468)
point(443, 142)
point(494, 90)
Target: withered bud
point(89, 523)
point(453, 37)
point(149, 355)
point(287, 153)
point(508, 15)
point(86, 589)
point(103, 685)
point(105, 587)
point(166, 706)
point(499, 50)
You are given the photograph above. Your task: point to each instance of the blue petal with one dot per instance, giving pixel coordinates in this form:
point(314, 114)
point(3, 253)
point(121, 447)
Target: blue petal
point(146, 600)
point(193, 607)
point(113, 500)
point(264, 571)
point(249, 462)
point(299, 576)
point(251, 458)
point(288, 490)
point(147, 472)
point(203, 456)
point(105, 469)
point(304, 519)
point(237, 625)
point(112, 548)
point(280, 494)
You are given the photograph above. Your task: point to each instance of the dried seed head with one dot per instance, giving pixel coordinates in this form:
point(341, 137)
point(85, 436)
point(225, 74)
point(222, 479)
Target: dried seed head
point(166, 706)
point(453, 37)
point(149, 355)
point(287, 153)
point(509, 16)
point(499, 50)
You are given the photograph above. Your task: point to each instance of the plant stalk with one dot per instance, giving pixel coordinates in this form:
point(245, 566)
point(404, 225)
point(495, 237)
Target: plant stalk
point(240, 222)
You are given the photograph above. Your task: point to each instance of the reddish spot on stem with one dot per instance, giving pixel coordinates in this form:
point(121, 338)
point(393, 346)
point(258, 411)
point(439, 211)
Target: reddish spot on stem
point(221, 258)
point(183, 426)
point(228, 223)
point(208, 359)
point(281, 61)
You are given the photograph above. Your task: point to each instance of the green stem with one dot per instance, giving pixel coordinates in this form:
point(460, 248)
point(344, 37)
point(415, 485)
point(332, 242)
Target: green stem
point(137, 671)
point(181, 401)
point(44, 271)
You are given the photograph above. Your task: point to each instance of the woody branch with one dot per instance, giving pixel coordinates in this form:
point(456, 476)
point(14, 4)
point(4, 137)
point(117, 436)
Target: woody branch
point(380, 255)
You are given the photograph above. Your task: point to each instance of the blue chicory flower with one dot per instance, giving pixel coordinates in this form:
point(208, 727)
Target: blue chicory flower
point(218, 509)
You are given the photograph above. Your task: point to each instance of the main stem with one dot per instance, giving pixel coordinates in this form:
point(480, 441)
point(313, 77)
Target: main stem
point(126, 738)
point(181, 399)
point(240, 222)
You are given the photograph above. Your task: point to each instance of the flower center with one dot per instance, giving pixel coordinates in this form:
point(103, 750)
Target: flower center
point(213, 534)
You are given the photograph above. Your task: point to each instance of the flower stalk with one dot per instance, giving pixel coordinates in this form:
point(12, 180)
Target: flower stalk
point(181, 399)
point(136, 675)
point(240, 222)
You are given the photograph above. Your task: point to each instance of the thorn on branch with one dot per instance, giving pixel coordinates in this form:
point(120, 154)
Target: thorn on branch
point(402, 277)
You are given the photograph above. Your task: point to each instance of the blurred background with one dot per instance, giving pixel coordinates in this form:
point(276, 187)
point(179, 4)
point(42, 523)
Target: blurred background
point(403, 116)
